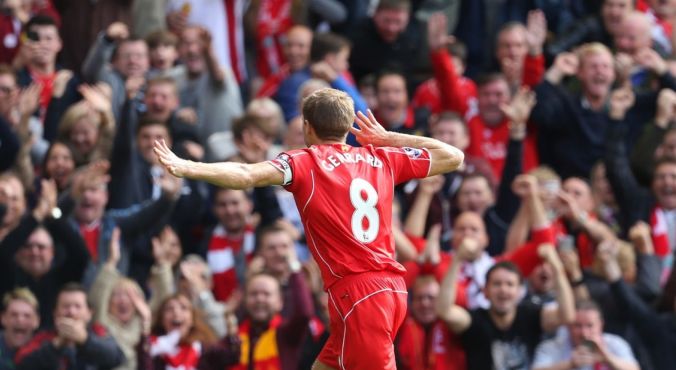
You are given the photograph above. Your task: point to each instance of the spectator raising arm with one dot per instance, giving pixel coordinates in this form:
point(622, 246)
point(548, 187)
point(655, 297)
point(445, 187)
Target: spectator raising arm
point(456, 317)
point(564, 312)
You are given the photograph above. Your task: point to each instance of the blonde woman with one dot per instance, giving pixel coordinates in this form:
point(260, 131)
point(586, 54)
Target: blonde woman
point(119, 305)
point(88, 127)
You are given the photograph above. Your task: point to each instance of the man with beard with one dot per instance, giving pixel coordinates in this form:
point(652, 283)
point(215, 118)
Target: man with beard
point(19, 319)
point(505, 335)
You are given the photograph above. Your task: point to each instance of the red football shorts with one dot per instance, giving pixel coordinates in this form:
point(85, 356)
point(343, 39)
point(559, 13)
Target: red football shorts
point(365, 311)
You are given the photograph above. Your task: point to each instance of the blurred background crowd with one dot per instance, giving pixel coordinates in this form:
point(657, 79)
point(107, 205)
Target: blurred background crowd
point(552, 248)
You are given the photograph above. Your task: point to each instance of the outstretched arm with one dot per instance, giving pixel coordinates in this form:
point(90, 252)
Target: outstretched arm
point(226, 174)
point(445, 158)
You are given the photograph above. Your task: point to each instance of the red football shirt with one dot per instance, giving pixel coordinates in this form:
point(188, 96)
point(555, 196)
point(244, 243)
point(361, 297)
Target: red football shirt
point(490, 143)
point(344, 196)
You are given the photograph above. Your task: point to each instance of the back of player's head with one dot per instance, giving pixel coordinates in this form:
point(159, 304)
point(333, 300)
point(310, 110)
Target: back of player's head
point(329, 112)
point(326, 43)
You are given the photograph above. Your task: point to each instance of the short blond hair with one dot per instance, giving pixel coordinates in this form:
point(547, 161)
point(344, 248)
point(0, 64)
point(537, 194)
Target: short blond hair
point(330, 112)
point(20, 294)
point(544, 173)
point(592, 48)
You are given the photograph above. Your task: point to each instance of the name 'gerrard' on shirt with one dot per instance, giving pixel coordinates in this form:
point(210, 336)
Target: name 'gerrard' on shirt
point(335, 160)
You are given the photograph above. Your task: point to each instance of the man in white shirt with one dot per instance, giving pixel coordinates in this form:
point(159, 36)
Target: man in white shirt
point(586, 346)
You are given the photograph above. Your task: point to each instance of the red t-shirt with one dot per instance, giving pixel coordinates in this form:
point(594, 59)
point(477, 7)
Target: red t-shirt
point(490, 143)
point(434, 349)
point(344, 196)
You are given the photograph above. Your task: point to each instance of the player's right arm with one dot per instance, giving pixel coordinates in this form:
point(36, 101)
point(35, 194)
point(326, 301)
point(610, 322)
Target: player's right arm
point(445, 158)
point(456, 317)
point(230, 175)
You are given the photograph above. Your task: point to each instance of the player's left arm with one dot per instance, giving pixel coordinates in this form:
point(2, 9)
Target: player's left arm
point(231, 175)
point(444, 158)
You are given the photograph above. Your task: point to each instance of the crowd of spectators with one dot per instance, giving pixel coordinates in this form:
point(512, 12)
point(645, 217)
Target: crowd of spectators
point(552, 248)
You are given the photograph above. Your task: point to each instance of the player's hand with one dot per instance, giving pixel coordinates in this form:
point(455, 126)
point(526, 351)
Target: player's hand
point(175, 165)
point(369, 131)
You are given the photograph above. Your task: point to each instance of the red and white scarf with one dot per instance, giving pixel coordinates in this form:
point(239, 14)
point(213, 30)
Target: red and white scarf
point(660, 232)
point(660, 237)
point(176, 356)
point(226, 257)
